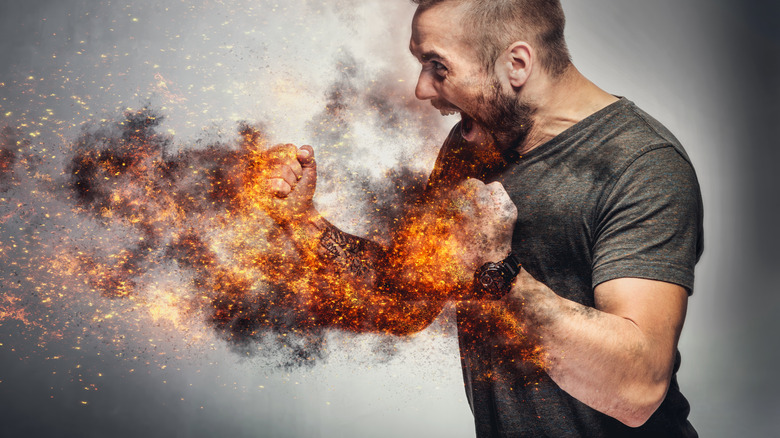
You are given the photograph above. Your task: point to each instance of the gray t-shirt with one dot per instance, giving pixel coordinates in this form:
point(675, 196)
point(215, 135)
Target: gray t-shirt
point(613, 196)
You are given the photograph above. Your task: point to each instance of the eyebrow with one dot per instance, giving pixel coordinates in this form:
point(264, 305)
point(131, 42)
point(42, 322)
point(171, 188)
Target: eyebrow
point(429, 55)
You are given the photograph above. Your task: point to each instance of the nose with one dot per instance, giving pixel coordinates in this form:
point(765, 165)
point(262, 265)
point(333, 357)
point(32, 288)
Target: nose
point(425, 89)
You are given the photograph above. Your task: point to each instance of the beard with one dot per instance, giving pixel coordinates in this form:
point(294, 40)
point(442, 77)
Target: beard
point(504, 117)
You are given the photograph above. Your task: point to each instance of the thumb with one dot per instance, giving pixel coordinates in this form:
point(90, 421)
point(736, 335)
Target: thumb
point(305, 157)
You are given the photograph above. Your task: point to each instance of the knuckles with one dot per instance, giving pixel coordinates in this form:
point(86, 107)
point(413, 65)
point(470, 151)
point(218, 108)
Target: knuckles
point(287, 188)
point(281, 154)
point(279, 187)
point(282, 169)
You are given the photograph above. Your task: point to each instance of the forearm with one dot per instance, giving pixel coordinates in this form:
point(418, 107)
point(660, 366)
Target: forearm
point(355, 291)
point(604, 360)
point(346, 284)
point(333, 251)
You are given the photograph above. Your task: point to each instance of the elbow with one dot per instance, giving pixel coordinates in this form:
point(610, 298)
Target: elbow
point(637, 419)
point(644, 404)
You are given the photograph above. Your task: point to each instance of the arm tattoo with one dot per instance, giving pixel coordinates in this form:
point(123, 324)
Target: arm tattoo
point(348, 253)
point(356, 288)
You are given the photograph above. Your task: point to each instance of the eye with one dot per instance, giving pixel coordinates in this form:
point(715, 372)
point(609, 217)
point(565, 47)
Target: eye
point(439, 68)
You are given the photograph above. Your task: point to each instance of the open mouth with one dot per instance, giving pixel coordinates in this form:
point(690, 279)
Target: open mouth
point(469, 129)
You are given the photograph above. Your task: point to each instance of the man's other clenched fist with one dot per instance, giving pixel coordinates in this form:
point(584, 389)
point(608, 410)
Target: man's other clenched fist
point(485, 221)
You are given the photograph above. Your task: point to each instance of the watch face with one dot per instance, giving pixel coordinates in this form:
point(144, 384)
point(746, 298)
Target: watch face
point(494, 280)
point(486, 279)
point(491, 280)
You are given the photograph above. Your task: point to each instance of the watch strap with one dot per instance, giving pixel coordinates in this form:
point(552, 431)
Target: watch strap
point(512, 262)
point(507, 269)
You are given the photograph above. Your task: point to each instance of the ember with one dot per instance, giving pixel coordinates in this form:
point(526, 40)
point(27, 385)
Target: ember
point(204, 211)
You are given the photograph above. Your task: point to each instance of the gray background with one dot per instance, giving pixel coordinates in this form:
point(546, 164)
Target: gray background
point(706, 69)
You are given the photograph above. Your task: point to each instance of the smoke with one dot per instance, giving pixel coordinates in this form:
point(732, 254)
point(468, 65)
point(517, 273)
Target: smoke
point(127, 244)
point(136, 289)
point(159, 220)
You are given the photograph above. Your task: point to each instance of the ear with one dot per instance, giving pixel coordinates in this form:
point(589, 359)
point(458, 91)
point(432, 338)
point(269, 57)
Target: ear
point(518, 63)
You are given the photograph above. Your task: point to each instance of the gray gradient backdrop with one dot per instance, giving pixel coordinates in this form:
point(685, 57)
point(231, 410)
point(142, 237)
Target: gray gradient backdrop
point(706, 69)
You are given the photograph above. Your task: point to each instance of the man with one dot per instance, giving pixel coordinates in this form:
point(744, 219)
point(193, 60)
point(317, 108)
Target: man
point(607, 233)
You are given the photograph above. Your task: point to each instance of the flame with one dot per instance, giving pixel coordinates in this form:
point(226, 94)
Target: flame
point(202, 214)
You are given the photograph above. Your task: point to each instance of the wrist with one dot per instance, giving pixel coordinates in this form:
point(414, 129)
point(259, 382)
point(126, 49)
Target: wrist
point(533, 302)
point(494, 280)
point(305, 226)
point(307, 215)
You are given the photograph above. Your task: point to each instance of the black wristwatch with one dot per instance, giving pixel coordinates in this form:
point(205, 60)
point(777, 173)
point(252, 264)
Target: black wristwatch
point(493, 280)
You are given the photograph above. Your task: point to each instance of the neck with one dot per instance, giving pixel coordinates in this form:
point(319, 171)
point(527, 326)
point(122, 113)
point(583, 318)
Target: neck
point(559, 103)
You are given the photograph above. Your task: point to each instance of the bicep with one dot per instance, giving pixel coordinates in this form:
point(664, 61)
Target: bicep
point(656, 308)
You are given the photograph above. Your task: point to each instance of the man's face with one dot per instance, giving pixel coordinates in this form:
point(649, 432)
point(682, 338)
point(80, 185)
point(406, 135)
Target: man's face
point(453, 79)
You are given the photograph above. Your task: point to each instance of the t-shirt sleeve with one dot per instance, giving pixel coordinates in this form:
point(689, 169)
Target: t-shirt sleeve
point(650, 222)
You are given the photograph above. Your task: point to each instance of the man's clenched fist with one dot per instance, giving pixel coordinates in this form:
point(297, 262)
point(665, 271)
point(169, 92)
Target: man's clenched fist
point(290, 178)
point(485, 221)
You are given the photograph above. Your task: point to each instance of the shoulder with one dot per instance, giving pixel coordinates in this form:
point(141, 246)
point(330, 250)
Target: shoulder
point(648, 151)
point(645, 158)
point(622, 138)
point(628, 132)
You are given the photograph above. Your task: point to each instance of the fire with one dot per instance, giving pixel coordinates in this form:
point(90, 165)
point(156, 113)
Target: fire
point(11, 309)
point(201, 214)
point(169, 307)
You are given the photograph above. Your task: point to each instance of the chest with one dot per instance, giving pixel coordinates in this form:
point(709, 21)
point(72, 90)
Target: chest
point(557, 206)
